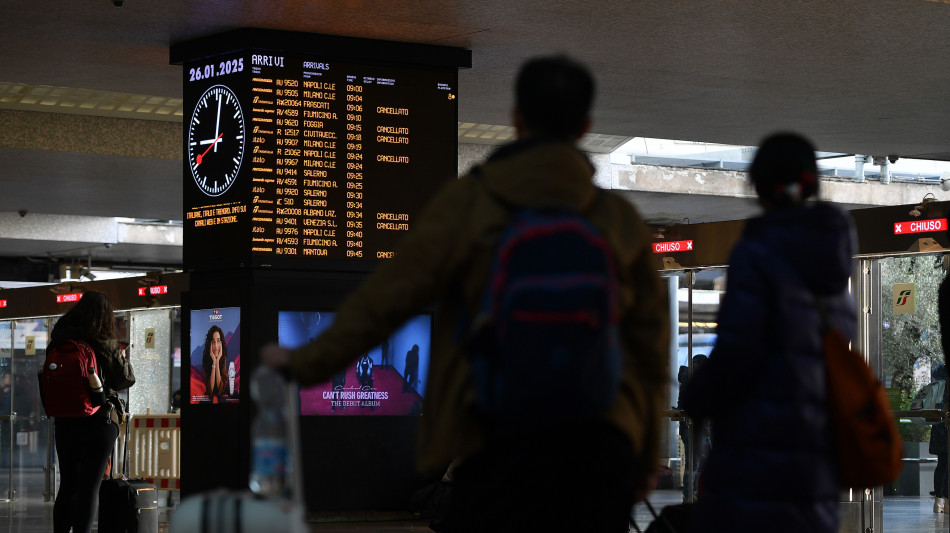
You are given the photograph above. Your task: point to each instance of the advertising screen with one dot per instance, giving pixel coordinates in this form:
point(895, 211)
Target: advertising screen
point(215, 356)
point(389, 379)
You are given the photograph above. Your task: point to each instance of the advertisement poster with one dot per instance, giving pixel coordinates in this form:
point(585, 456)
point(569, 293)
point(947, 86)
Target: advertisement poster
point(389, 379)
point(215, 355)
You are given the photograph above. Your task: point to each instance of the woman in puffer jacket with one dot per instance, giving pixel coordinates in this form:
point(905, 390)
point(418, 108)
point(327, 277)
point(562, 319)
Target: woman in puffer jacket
point(773, 465)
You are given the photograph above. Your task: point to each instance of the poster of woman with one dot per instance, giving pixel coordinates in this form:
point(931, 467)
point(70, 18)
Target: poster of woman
point(215, 355)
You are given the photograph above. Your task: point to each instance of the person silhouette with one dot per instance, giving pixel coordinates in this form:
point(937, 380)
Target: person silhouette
point(775, 428)
point(412, 369)
point(592, 469)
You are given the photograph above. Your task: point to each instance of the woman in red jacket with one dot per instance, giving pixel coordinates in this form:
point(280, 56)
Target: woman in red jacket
point(84, 444)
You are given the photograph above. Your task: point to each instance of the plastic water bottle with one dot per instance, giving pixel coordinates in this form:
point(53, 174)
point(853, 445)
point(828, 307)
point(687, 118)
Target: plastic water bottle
point(95, 384)
point(270, 468)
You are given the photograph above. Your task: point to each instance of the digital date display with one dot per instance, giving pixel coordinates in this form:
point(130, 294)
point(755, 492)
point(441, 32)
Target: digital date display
point(211, 70)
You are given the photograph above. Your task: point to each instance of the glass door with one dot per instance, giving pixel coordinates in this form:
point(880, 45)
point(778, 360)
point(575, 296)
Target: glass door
point(150, 334)
point(26, 439)
point(6, 410)
point(694, 297)
point(912, 362)
point(698, 296)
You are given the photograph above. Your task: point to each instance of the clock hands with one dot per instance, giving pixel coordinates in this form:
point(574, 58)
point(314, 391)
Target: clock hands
point(217, 124)
point(215, 176)
point(212, 142)
point(201, 156)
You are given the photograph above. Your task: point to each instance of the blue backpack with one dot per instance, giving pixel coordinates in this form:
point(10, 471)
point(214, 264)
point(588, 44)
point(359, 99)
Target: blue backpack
point(545, 345)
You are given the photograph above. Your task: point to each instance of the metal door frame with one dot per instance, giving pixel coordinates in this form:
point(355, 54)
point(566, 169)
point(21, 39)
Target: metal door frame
point(8, 418)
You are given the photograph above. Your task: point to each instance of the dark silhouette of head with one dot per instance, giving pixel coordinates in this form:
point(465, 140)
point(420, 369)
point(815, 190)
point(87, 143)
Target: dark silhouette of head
point(94, 315)
point(784, 171)
point(553, 98)
point(698, 361)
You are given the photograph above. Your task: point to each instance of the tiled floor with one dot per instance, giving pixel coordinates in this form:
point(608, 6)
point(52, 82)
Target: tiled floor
point(902, 514)
point(31, 515)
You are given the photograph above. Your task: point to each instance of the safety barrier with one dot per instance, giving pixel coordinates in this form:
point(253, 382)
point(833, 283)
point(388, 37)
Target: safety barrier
point(155, 453)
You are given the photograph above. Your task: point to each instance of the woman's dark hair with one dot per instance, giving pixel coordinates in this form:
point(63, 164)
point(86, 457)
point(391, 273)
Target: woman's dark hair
point(93, 315)
point(554, 95)
point(206, 355)
point(784, 171)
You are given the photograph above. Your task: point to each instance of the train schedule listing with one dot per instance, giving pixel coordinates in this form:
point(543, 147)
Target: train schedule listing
point(343, 156)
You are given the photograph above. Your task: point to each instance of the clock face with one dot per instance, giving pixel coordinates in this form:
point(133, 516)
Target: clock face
point(216, 140)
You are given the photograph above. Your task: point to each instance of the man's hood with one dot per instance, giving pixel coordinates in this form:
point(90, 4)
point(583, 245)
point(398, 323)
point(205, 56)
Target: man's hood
point(549, 173)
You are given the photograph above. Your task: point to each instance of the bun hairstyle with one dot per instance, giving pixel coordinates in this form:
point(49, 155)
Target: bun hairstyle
point(784, 171)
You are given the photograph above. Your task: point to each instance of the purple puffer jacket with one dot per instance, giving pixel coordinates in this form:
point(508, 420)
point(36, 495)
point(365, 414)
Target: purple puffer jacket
point(772, 466)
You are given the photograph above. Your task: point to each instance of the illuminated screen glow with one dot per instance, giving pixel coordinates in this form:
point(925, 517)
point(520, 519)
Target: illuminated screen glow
point(213, 323)
point(338, 157)
point(381, 382)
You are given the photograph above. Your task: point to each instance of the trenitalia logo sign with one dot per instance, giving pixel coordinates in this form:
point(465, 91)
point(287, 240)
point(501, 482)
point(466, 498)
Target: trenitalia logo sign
point(920, 226)
point(904, 298)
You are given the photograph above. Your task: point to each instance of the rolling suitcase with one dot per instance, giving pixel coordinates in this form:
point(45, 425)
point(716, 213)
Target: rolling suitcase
point(127, 505)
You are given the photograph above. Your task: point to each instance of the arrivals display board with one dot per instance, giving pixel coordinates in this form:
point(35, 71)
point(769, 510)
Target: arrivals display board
point(320, 156)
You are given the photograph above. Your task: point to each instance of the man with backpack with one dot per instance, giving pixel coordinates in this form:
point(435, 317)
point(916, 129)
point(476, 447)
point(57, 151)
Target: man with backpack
point(549, 357)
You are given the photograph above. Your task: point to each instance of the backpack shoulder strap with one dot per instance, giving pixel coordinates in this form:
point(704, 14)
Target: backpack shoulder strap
point(86, 349)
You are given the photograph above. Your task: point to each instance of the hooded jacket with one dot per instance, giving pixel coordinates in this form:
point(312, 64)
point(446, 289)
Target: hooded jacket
point(773, 461)
point(444, 260)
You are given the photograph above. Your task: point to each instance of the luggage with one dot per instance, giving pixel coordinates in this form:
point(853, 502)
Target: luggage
point(127, 505)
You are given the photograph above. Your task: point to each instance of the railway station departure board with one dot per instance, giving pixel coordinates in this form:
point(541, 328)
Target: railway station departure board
point(317, 157)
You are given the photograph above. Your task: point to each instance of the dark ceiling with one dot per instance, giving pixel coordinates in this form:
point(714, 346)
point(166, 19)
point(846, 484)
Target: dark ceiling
point(862, 77)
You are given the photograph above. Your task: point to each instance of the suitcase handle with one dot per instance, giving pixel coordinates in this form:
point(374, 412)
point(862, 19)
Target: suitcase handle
point(128, 431)
point(126, 454)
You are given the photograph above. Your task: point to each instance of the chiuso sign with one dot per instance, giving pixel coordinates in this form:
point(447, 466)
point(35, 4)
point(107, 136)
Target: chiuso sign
point(920, 226)
point(672, 246)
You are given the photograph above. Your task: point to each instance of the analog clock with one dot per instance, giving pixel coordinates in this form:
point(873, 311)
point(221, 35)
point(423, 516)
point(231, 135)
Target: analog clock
point(216, 140)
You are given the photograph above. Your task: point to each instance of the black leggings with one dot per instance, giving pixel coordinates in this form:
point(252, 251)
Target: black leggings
point(83, 446)
point(940, 476)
